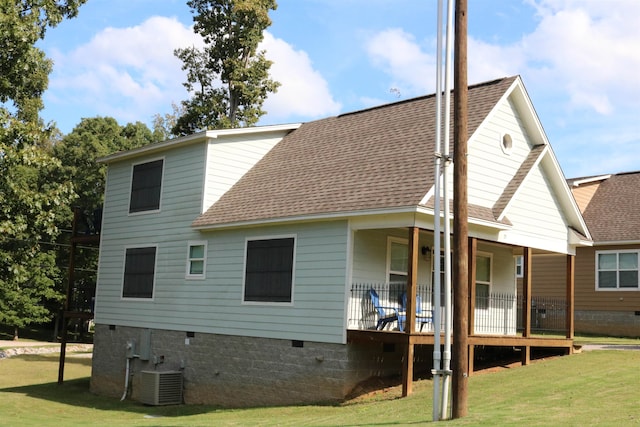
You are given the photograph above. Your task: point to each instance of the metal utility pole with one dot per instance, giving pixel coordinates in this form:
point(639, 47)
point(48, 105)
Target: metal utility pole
point(460, 214)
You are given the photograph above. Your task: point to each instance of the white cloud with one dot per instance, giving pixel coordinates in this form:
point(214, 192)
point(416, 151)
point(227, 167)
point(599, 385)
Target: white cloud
point(397, 52)
point(303, 91)
point(129, 73)
point(590, 48)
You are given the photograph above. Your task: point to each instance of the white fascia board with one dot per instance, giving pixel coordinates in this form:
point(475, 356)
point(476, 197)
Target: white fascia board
point(195, 138)
point(579, 182)
point(616, 242)
point(413, 220)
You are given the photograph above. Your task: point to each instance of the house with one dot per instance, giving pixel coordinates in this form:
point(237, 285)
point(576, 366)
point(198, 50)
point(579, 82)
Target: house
point(245, 258)
point(607, 288)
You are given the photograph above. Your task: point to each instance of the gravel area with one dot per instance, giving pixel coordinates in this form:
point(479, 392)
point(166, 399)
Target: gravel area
point(16, 348)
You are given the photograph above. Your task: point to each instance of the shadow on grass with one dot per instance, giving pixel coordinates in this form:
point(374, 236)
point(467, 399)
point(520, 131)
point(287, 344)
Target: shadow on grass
point(76, 393)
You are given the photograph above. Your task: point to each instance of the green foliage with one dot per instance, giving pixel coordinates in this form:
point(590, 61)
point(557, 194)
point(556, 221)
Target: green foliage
point(31, 201)
point(232, 30)
point(163, 125)
point(24, 70)
point(30, 207)
point(91, 139)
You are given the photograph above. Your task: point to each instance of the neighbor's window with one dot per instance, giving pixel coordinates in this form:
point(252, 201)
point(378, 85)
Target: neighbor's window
point(146, 186)
point(483, 280)
point(617, 270)
point(269, 270)
point(397, 260)
point(196, 260)
point(139, 272)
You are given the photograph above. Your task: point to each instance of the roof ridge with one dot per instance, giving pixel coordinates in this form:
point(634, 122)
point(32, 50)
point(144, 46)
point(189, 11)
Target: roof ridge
point(420, 98)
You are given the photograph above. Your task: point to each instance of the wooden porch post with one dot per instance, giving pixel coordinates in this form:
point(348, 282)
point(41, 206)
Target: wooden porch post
point(473, 249)
point(571, 265)
point(410, 324)
point(526, 303)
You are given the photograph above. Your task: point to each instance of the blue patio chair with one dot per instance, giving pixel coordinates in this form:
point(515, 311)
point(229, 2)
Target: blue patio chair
point(385, 317)
point(423, 318)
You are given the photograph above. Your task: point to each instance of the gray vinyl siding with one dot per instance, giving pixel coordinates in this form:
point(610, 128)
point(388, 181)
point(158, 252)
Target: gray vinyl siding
point(215, 304)
point(169, 230)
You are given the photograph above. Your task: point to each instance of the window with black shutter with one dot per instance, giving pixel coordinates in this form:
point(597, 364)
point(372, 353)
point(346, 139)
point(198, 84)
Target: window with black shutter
point(146, 186)
point(139, 272)
point(269, 270)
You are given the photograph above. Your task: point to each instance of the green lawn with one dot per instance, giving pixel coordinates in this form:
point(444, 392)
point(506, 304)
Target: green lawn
point(591, 388)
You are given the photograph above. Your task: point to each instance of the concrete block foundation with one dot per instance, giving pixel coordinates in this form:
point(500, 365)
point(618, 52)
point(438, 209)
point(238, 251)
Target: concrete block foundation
point(234, 371)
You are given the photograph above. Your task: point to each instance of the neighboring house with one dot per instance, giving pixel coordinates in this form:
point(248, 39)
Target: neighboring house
point(607, 288)
point(245, 258)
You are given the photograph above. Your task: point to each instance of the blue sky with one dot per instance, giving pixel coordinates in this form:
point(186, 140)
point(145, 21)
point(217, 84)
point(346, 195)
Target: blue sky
point(579, 60)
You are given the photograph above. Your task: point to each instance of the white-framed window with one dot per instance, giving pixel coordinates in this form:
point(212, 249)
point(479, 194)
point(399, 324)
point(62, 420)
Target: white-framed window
point(519, 260)
point(146, 186)
point(397, 260)
point(196, 260)
point(269, 269)
point(484, 267)
point(617, 270)
point(139, 272)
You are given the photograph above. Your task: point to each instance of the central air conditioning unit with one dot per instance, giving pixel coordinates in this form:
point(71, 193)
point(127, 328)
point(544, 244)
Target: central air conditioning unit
point(161, 388)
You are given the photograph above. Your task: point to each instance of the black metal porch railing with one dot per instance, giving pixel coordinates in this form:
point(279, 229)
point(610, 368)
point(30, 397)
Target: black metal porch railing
point(548, 315)
point(495, 314)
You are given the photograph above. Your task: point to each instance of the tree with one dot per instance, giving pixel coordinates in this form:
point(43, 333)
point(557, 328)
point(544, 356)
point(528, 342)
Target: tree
point(31, 202)
point(163, 125)
point(232, 30)
point(91, 139)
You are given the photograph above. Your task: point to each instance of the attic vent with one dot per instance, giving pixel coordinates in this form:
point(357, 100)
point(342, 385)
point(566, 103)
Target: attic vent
point(506, 144)
point(161, 388)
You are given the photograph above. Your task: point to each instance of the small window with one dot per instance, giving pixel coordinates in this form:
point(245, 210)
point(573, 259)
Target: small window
point(397, 260)
point(146, 187)
point(139, 272)
point(269, 270)
point(196, 260)
point(617, 270)
point(483, 280)
point(519, 266)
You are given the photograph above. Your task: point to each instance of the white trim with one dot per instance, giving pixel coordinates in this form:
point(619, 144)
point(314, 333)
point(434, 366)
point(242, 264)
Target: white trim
point(616, 242)
point(515, 260)
point(507, 150)
point(155, 271)
point(194, 138)
point(337, 216)
point(390, 241)
point(293, 269)
point(481, 282)
point(203, 275)
point(617, 288)
point(579, 182)
point(164, 168)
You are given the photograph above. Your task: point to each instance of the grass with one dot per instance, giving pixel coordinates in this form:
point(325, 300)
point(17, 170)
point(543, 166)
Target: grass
point(591, 388)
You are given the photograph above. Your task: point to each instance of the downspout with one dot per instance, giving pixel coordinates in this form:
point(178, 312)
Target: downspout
point(448, 323)
point(436, 372)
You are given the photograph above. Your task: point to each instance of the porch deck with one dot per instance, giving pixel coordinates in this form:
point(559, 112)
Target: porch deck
point(498, 321)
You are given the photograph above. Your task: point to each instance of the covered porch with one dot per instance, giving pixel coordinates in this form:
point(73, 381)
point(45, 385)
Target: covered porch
point(500, 314)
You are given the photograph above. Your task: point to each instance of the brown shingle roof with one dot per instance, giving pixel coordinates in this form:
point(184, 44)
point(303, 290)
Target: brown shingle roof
point(377, 158)
point(613, 214)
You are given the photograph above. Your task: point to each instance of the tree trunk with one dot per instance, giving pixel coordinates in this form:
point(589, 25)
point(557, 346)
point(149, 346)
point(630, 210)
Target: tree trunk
point(15, 333)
